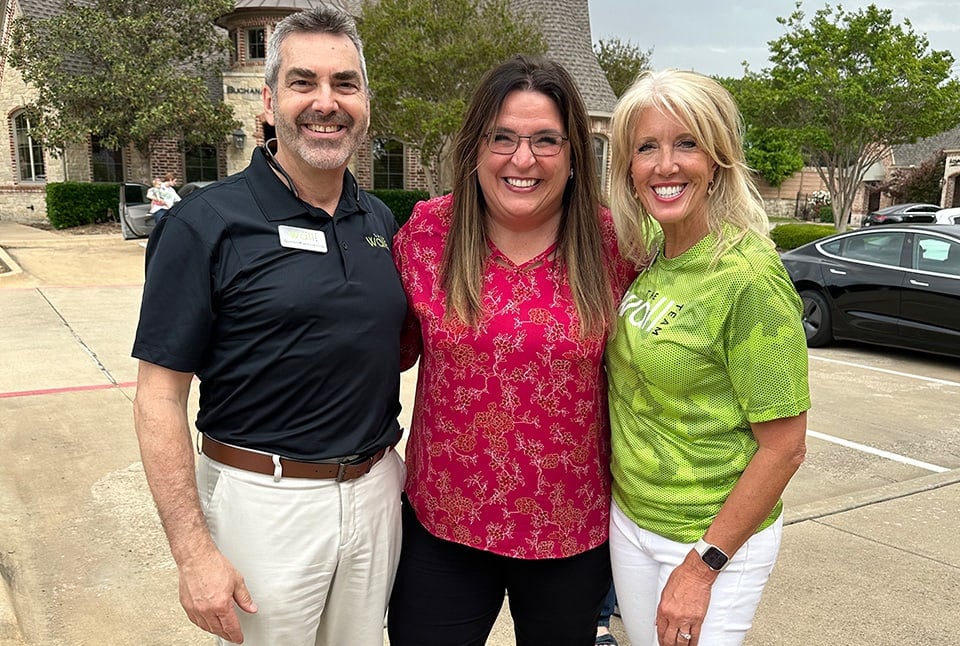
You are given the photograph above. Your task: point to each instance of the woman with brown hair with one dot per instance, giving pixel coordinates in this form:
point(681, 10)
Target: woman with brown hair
point(512, 281)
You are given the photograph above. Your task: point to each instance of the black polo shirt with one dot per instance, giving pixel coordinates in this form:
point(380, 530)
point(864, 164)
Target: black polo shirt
point(297, 347)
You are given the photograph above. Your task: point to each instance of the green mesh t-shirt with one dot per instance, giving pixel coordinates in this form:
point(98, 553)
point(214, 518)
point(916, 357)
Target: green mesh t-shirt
point(700, 352)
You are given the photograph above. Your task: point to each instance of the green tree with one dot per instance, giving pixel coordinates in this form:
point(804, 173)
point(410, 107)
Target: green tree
point(772, 153)
point(129, 72)
point(621, 62)
point(425, 57)
point(851, 85)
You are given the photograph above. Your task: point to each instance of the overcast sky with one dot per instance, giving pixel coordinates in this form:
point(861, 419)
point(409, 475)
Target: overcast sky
point(713, 37)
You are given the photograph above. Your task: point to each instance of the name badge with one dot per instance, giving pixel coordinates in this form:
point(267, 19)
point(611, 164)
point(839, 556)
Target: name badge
point(306, 239)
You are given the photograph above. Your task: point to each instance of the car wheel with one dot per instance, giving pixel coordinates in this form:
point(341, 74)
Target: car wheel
point(816, 319)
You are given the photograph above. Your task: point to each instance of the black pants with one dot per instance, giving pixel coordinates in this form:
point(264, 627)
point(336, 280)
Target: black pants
point(447, 594)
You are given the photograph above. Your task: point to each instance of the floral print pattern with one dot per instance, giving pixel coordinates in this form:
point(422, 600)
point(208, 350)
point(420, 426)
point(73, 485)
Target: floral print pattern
point(510, 442)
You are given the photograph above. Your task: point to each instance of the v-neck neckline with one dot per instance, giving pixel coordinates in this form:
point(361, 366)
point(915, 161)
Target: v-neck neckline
point(542, 258)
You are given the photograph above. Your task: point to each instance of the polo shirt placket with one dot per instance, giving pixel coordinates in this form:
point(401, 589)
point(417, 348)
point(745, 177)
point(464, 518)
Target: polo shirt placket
point(297, 350)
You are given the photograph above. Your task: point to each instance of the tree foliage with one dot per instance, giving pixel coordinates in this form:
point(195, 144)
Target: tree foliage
point(129, 72)
point(773, 154)
point(621, 62)
point(920, 184)
point(424, 59)
point(851, 86)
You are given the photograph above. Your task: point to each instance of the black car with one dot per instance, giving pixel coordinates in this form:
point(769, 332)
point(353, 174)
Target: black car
point(911, 213)
point(896, 285)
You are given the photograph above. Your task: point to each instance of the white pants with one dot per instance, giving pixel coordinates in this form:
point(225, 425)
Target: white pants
point(642, 561)
point(318, 556)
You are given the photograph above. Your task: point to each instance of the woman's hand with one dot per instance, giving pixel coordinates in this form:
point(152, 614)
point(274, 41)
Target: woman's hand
point(684, 602)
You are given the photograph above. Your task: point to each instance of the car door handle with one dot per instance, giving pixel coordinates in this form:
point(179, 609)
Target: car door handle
point(837, 271)
point(919, 283)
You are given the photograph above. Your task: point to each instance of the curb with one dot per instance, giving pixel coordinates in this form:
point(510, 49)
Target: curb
point(884, 493)
point(10, 264)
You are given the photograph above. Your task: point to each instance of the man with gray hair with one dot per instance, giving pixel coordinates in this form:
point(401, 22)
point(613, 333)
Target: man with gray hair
point(276, 287)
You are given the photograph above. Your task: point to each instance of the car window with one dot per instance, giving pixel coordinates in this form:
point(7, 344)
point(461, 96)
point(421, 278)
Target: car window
point(135, 194)
point(832, 247)
point(937, 255)
point(881, 248)
point(923, 208)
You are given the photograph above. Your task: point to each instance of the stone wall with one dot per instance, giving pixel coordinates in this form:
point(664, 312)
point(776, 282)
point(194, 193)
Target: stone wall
point(18, 201)
point(242, 91)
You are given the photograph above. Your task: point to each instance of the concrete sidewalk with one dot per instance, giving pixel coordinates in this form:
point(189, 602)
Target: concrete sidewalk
point(83, 559)
point(10, 234)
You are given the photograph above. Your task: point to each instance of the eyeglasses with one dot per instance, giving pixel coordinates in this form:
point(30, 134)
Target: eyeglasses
point(544, 144)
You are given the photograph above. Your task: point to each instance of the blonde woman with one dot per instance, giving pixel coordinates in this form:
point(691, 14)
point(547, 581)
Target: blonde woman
point(707, 368)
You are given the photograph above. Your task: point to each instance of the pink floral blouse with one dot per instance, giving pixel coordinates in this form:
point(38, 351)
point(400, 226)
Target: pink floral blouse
point(510, 443)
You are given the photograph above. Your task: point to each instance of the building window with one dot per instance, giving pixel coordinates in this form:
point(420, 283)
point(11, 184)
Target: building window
point(387, 163)
point(600, 149)
point(107, 163)
point(256, 44)
point(29, 151)
point(201, 164)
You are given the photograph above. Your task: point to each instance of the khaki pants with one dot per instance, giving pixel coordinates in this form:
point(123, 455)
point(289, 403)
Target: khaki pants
point(318, 556)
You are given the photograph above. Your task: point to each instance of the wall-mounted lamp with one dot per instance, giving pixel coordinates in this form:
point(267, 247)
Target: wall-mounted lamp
point(239, 139)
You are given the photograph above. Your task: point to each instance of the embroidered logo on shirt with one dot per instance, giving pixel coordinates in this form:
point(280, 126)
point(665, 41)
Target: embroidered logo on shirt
point(377, 240)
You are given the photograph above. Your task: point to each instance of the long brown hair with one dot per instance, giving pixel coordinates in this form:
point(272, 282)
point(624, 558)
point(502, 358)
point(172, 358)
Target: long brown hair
point(579, 239)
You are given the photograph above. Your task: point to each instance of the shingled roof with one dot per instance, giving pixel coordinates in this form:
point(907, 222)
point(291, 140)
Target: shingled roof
point(906, 155)
point(566, 28)
point(293, 5)
point(40, 8)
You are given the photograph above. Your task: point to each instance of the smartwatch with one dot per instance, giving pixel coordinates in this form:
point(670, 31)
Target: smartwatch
point(715, 558)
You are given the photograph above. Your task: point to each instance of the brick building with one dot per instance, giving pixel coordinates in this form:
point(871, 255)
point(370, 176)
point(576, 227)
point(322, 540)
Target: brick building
point(380, 163)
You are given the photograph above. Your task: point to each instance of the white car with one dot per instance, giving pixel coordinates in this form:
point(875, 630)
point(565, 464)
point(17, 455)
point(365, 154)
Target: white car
point(948, 216)
point(134, 208)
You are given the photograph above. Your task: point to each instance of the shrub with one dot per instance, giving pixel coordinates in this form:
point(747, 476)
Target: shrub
point(791, 236)
point(826, 214)
point(400, 201)
point(70, 204)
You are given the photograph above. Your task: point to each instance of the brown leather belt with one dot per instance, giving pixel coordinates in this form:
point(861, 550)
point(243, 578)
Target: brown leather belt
point(278, 467)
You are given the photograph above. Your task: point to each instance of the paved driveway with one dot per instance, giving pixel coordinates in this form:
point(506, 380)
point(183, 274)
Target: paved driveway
point(867, 556)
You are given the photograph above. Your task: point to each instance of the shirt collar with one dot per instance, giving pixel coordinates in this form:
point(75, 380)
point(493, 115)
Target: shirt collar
point(277, 201)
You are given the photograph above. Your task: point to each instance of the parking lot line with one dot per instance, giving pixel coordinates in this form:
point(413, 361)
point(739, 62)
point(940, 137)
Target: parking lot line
point(933, 380)
point(66, 389)
point(878, 452)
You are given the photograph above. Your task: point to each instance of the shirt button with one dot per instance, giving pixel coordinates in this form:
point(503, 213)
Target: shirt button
point(344, 246)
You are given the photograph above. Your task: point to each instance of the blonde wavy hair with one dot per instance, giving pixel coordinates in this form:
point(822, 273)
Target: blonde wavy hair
point(709, 112)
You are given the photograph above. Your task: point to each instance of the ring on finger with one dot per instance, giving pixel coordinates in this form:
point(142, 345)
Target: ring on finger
point(684, 636)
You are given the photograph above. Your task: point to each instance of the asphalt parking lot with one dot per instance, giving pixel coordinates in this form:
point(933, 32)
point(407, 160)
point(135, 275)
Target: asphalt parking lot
point(871, 517)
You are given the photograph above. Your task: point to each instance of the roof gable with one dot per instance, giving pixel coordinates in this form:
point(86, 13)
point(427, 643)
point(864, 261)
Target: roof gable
point(566, 28)
point(914, 154)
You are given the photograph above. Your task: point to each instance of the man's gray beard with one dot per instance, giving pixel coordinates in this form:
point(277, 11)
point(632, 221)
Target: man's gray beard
point(319, 155)
point(323, 156)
